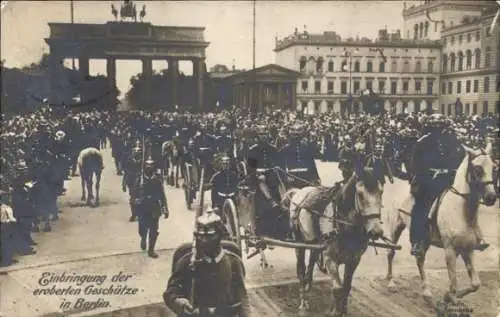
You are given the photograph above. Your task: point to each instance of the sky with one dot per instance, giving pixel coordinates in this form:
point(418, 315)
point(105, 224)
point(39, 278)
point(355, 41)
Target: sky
point(228, 26)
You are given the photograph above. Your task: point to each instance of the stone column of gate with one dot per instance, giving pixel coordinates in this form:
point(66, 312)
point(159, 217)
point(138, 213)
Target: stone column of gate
point(147, 71)
point(200, 83)
point(55, 68)
point(260, 97)
point(279, 100)
point(173, 76)
point(111, 73)
point(293, 93)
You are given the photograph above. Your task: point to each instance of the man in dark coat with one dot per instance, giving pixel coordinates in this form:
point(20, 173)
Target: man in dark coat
point(217, 275)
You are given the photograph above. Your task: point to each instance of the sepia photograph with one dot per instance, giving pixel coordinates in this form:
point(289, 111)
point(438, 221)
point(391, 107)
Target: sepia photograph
point(250, 158)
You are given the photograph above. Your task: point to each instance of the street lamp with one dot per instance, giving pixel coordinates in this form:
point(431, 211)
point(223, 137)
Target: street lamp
point(348, 54)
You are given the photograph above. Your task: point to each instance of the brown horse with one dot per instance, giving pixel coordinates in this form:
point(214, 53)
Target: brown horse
point(454, 221)
point(348, 223)
point(171, 162)
point(90, 163)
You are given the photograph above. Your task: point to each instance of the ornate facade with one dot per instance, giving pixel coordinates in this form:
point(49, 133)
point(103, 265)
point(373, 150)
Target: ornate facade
point(446, 58)
point(335, 71)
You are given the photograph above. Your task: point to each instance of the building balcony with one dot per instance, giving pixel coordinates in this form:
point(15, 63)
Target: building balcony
point(383, 95)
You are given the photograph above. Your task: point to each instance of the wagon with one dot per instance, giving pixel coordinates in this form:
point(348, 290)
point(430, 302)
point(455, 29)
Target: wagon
point(190, 185)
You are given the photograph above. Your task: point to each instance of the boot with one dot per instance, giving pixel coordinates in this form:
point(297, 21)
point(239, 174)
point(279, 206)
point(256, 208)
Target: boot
point(152, 244)
point(481, 245)
point(143, 243)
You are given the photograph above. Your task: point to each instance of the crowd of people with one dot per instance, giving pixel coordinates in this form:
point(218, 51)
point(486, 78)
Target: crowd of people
point(40, 150)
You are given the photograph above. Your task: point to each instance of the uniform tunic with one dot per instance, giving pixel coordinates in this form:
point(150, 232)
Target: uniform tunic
point(219, 283)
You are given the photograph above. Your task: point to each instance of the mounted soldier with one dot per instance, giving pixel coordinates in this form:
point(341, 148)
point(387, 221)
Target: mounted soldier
point(210, 280)
point(347, 158)
point(132, 177)
point(298, 157)
point(151, 205)
point(436, 157)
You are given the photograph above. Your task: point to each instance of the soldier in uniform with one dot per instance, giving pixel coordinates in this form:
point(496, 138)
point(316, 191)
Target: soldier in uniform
point(23, 210)
point(298, 157)
point(151, 205)
point(223, 182)
point(132, 178)
point(217, 275)
point(435, 159)
point(224, 142)
point(347, 158)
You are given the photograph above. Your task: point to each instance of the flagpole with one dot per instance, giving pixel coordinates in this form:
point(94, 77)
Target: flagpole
point(72, 6)
point(253, 57)
point(254, 93)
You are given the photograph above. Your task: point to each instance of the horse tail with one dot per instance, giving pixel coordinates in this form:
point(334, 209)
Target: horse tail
point(287, 198)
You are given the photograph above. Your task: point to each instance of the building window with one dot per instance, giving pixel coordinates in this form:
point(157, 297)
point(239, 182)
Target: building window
point(443, 108)
point(394, 67)
point(421, 30)
point(450, 88)
point(445, 63)
point(487, 57)
point(435, 26)
point(330, 66)
point(467, 86)
point(356, 67)
point(369, 67)
point(460, 61)
point(343, 87)
point(498, 83)
point(406, 67)
point(356, 87)
point(317, 105)
point(477, 56)
point(469, 37)
point(330, 87)
point(478, 36)
point(497, 108)
point(452, 62)
point(319, 65)
point(460, 39)
point(344, 66)
point(330, 106)
point(452, 40)
point(444, 42)
point(415, 31)
point(468, 59)
point(449, 109)
point(317, 86)
point(443, 88)
point(369, 85)
point(430, 87)
point(467, 108)
point(405, 87)
point(485, 107)
point(474, 108)
point(426, 28)
point(459, 87)
point(381, 87)
point(430, 67)
point(381, 67)
point(487, 31)
point(418, 86)
point(418, 67)
point(305, 86)
point(394, 88)
point(476, 85)
point(302, 63)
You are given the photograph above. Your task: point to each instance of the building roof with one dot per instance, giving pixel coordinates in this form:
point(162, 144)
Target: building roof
point(393, 39)
point(269, 69)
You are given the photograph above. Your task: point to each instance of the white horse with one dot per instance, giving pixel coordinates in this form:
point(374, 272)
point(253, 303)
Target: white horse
point(90, 163)
point(455, 227)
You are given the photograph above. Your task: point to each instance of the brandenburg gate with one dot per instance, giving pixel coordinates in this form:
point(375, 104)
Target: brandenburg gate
point(128, 40)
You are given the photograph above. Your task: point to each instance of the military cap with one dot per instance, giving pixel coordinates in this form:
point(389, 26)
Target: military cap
point(149, 162)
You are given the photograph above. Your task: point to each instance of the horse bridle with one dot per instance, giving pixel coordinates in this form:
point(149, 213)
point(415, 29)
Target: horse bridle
point(472, 177)
point(357, 208)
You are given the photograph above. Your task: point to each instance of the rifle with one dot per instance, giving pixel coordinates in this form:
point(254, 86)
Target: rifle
point(142, 160)
point(198, 213)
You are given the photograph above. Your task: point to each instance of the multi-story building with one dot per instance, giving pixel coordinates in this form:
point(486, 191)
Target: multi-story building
point(446, 58)
point(470, 59)
point(335, 71)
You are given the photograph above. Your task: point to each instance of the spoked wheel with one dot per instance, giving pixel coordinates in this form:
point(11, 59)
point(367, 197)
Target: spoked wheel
point(231, 222)
point(188, 186)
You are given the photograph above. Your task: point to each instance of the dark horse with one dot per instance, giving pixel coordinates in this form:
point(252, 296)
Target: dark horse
point(90, 163)
point(350, 220)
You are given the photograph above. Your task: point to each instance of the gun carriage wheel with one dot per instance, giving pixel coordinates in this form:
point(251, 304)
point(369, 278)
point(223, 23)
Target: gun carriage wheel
point(229, 215)
point(188, 184)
